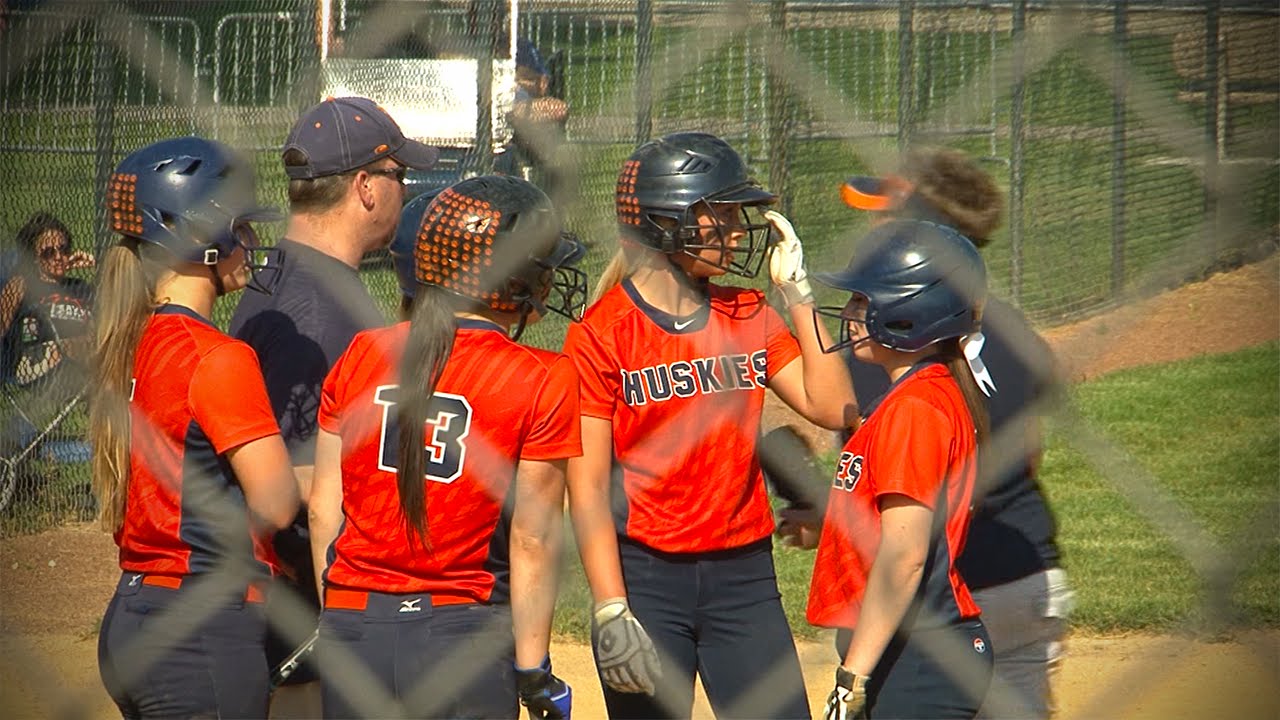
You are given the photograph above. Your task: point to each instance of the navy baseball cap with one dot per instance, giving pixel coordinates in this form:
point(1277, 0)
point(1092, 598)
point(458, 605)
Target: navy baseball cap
point(343, 134)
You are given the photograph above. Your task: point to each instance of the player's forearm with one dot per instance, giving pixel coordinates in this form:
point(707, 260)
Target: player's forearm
point(323, 528)
point(828, 390)
point(892, 583)
point(304, 473)
point(535, 564)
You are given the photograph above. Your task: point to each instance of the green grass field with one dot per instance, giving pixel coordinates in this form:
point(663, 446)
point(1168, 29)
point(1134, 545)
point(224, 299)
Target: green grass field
point(1205, 430)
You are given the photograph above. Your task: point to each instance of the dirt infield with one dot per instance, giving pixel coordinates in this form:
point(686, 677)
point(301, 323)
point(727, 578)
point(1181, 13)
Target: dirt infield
point(56, 585)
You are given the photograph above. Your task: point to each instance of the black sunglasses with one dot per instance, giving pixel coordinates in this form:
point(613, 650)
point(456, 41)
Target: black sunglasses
point(398, 172)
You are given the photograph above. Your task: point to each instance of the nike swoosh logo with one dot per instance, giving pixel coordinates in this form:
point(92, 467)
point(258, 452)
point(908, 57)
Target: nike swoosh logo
point(685, 324)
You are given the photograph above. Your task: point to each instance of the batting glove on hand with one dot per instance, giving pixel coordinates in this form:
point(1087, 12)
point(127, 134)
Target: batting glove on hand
point(625, 655)
point(547, 696)
point(786, 262)
point(849, 698)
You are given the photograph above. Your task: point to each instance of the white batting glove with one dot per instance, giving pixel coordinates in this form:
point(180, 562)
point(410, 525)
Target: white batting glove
point(625, 655)
point(848, 700)
point(786, 262)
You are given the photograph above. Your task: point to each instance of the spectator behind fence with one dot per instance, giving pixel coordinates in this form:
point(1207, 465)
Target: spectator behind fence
point(1011, 560)
point(190, 471)
point(538, 123)
point(44, 313)
point(346, 161)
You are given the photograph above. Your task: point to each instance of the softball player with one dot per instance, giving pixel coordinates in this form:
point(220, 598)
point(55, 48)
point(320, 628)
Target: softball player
point(433, 551)
point(674, 369)
point(190, 470)
point(1011, 561)
point(911, 642)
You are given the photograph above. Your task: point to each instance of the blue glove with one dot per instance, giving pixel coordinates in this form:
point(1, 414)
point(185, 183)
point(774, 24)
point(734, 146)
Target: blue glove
point(547, 696)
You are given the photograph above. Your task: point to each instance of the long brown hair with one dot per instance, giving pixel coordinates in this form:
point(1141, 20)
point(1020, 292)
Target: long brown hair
point(427, 349)
point(124, 300)
point(952, 354)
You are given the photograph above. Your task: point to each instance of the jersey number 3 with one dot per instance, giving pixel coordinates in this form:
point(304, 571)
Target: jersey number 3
point(448, 423)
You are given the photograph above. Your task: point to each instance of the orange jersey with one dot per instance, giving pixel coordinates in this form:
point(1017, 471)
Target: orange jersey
point(684, 396)
point(919, 442)
point(196, 394)
point(496, 403)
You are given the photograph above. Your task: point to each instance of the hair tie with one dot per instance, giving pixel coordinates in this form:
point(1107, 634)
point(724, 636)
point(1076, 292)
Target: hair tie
point(971, 346)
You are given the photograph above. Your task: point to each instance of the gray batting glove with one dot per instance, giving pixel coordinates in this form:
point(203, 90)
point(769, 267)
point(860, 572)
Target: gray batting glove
point(624, 653)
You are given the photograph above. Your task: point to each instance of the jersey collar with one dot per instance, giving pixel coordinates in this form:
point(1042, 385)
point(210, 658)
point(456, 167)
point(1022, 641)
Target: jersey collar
point(474, 324)
point(866, 412)
point(673, 324)
point(171, 309)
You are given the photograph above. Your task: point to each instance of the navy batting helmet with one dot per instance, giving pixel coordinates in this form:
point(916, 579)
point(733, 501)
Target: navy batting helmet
point(663, 181)
point(192, 197)
point(406, 239)
point(923, 283)
point(496, 239)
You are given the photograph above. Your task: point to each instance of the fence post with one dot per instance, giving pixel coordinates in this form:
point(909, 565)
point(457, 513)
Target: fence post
point(1017, 156)
point(1119, 147)
point(644, 71)
point(1212, 131)
point(906, 72)
point(780, 108)
point(481, 157)
point(104, 122)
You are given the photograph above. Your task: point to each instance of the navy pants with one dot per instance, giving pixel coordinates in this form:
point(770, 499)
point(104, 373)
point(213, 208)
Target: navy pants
point(940, 673)
point(453, 661)
point(720, 615)
point(217, 670)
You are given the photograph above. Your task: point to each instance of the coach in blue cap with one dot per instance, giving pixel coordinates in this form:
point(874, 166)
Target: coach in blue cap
point(346, 160)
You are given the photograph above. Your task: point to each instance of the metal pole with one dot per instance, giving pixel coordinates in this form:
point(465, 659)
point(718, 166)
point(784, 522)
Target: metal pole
point(481, 160)
point(104, 122)
point(780, 107)
point(906, 74)
point(1017, 155)
point(644, 71)
point(1119, 148)
point(1213, 138)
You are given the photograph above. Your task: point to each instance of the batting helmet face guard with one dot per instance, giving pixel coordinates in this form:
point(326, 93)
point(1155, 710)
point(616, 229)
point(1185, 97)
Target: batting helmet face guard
point(666, 181)
point(922, 283)
point(195, 199)
point(497, 240)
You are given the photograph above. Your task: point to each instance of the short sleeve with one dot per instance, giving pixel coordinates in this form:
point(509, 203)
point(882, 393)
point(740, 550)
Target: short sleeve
point(781, 346)
point(228, 398)
point(910, 453)
point(597, 370)
point(329, 416)
point(556, 430)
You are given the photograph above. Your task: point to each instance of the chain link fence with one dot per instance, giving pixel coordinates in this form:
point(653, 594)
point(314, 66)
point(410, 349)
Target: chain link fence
point(1139, 142)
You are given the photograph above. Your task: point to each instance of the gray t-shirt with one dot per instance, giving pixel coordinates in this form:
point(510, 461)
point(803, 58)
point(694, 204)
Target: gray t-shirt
point(299, 331)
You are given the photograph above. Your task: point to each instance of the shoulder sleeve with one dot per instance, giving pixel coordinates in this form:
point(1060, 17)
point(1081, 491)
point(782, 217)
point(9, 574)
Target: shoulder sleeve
point(910, 452)
point(228, 398)
point(556, 430)
point(597, 370)
point(781, 346)
point(329, 415)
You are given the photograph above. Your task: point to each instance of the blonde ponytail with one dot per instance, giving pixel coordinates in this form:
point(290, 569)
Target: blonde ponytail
point(124, 301)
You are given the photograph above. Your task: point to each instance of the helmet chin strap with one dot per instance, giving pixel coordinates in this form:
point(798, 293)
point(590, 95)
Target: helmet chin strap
point(217, 280)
